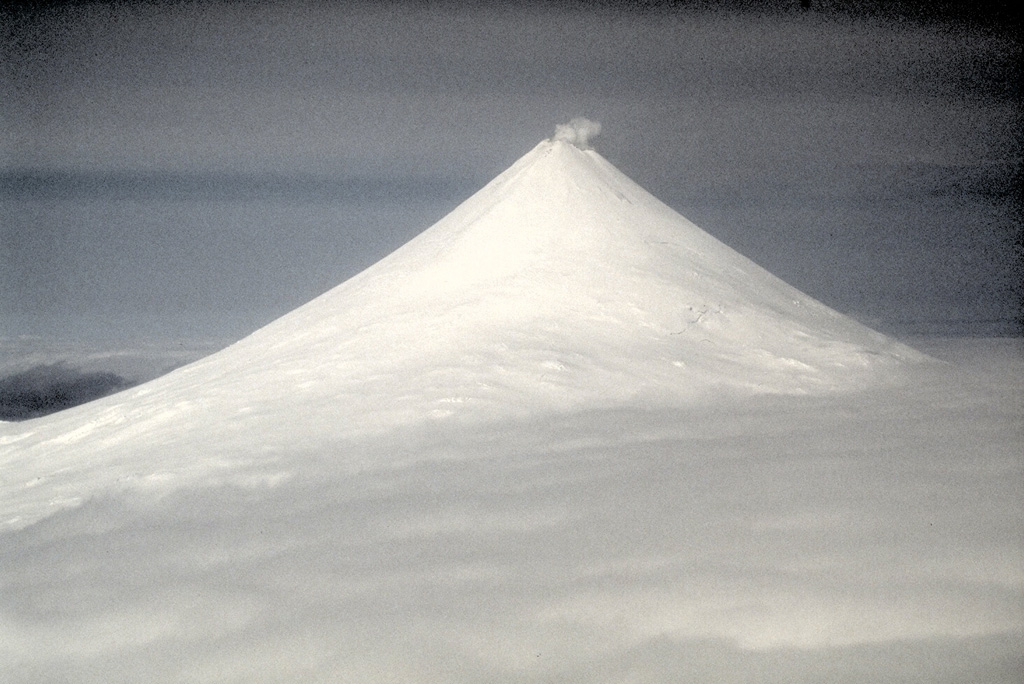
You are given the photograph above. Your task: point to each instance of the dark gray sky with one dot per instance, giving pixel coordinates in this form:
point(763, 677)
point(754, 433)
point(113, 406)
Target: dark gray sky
point(187, 170)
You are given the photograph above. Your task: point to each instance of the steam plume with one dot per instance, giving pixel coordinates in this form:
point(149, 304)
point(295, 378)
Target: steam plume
point(579, 131)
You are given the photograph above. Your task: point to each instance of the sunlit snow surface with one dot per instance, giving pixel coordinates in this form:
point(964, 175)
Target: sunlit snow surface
point(600, 448)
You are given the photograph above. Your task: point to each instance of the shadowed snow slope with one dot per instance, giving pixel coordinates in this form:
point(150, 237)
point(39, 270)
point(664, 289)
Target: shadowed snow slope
point(560, 286)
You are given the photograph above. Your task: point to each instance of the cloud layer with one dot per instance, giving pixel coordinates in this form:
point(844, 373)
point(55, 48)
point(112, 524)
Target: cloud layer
point(796, 541)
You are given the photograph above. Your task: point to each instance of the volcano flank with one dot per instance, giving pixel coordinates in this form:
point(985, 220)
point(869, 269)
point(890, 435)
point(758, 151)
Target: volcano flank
point(561, 286)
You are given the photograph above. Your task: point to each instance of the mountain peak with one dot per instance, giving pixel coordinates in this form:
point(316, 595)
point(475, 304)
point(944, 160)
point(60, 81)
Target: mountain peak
point(561, 262)
point(561, 285)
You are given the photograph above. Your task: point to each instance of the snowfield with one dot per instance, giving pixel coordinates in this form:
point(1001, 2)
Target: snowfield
point(562, 436)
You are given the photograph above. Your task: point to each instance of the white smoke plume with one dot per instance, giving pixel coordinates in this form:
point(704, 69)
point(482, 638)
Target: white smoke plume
point(579, 131)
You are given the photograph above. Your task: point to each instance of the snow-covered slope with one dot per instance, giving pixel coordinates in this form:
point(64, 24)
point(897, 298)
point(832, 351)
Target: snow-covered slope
point(560, 286)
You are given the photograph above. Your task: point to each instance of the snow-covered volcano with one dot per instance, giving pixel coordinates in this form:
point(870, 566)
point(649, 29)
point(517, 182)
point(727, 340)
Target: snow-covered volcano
point(560, 286)
point(557, 437)
point(561, 283)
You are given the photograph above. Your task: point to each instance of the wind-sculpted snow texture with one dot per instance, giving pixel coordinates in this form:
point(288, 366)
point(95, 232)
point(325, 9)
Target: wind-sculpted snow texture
point(561, 436)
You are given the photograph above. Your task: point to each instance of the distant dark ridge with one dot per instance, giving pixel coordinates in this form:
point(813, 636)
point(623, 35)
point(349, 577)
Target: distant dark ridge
point(27, 184)
point(49, 388)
